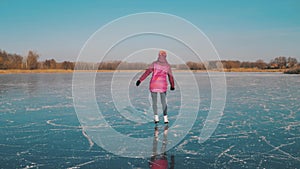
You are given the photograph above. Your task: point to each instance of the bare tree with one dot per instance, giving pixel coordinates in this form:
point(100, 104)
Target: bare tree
point(291, 62)
point(67, 65)
point(50, 64)
point(32, 60)
point(3, 59)
point(260, 64)
point(229, 64)
point(280, 61)
point(10, 61)
point(194, 65)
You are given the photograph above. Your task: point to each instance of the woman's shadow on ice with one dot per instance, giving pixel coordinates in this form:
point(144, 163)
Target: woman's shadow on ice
point(159, 160)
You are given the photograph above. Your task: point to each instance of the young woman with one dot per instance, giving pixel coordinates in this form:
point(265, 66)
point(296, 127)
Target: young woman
point(160, 69)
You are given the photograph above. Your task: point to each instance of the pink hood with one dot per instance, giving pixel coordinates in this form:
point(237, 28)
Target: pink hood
point(162, 58)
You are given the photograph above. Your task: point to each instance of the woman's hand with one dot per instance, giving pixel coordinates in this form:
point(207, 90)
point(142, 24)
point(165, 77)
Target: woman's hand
point(138, 83)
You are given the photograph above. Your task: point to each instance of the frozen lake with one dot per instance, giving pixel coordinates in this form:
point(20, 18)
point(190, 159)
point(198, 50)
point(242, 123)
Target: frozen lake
point(260, 126)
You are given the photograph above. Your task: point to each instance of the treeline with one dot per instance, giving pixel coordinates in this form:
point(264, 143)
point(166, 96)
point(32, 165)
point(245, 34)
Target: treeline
point(15, 61)
point(280, 62)
point(111, 65)
point(30, 62)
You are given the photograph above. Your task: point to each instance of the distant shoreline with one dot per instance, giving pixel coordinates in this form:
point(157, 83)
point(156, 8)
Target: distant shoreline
point(22, 71)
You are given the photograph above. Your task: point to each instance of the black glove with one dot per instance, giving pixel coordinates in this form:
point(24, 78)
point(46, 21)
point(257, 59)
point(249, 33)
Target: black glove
point(172, 88)
point(138, 83)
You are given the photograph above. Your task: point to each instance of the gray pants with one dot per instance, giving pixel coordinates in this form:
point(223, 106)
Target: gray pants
point(163, 102)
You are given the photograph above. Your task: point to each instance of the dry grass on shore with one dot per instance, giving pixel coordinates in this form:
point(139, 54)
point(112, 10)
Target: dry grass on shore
point(253, 70)
point(20, 71)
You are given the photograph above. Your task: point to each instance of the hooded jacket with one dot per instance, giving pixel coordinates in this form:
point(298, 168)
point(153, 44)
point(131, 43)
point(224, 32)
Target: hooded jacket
point(160, 69)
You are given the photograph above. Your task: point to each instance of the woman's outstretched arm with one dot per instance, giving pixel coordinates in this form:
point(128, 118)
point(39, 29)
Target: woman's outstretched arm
point(145, 74)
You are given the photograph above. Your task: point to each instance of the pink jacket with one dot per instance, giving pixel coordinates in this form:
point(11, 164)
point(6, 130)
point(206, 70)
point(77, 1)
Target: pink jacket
point(161, 69)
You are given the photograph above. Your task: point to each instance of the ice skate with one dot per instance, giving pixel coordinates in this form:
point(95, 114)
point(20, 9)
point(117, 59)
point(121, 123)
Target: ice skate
point(166, 119)
point(156, 119)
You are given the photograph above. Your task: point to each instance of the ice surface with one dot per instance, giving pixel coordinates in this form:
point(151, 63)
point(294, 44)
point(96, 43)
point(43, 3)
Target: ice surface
point(260, 127)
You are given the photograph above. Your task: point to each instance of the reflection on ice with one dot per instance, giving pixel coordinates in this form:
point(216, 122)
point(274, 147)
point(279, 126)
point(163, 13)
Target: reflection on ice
point(159, 159)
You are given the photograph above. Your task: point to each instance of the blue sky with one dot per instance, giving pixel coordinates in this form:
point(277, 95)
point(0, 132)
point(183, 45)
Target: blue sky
point(239, 29)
